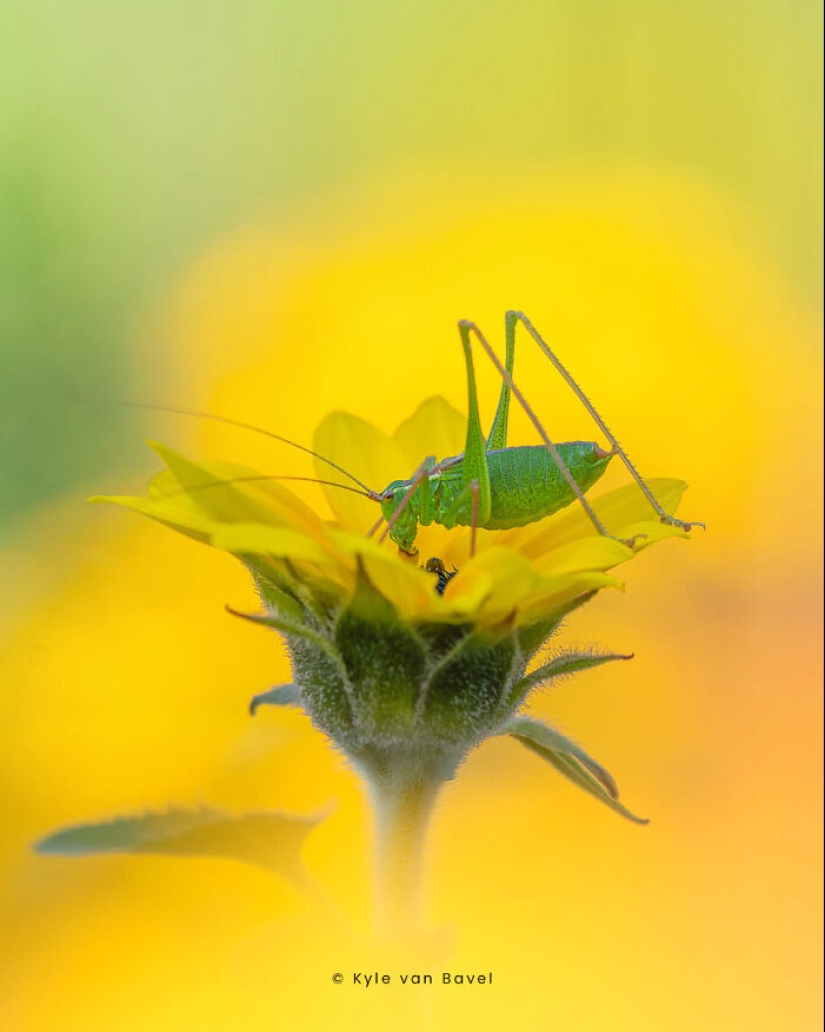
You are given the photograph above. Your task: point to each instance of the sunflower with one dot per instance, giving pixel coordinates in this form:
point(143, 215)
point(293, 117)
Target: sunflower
point(408, 667)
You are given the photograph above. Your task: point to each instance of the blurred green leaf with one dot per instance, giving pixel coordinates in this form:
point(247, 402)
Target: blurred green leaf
point(269, 840)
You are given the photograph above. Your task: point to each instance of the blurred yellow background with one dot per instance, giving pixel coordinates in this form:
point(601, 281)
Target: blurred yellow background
point(272, 211)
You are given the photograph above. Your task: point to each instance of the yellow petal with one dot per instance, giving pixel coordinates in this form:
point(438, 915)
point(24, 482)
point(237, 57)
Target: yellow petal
point(227, 493)
point(259, 539)
point(494, 579)
point(465, 600)
point(616, 509)
point(179, 514)
point(557, 591)
point(402, 582)
point(500, 584)
point(364, 452)
point(591, 553)
point(435, 428)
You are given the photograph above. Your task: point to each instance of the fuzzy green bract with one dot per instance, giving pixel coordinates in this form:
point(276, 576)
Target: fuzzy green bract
point(382, 688)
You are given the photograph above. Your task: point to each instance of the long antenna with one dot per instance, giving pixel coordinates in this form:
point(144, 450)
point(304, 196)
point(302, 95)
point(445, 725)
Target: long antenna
point(263, 477)
point(256, 429)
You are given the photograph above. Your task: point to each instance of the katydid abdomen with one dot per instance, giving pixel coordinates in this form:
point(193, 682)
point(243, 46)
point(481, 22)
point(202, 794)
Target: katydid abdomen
point(527, 485)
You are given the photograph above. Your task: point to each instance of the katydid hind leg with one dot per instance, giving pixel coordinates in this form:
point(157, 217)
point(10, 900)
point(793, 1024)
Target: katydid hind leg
point(498, 432)
point(474, 489)
point(470, 492)
point(474, 464)
point(470, 327)
point(515, 317)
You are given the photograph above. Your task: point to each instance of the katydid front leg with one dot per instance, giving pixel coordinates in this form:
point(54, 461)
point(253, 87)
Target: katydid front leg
point(420, 479)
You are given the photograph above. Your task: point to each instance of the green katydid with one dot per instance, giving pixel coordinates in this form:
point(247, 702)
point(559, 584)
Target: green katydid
point(489, 485)
point(493, 486)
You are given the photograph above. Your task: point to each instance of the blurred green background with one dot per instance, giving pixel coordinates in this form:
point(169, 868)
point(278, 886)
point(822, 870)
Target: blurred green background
point(133, 134)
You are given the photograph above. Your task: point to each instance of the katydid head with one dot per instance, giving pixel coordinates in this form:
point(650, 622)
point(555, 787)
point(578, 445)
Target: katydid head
point(398, 509)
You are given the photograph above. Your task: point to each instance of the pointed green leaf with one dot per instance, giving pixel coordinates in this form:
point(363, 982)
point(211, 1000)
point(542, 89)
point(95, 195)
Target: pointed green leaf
point(287, 627)
point(549, 738)
point(562, 665)
point(270, 840)
point(570, 760)
point(282, 695)
point(275, 596)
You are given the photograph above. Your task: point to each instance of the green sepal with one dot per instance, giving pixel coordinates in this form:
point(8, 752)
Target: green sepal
point(282, 695)
point(289, 628)
point(462, 696)
point(321, 671)
point(274, 596)
point(267, 839)
point(561, 666)
point(570, 760)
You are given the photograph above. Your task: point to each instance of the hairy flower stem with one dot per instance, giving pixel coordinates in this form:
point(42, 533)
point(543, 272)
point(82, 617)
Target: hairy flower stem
point(403, 802)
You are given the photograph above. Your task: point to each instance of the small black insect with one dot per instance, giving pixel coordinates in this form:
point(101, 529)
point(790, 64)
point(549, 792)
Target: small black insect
point(436, 566)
